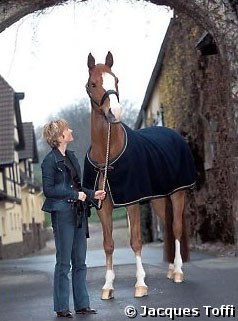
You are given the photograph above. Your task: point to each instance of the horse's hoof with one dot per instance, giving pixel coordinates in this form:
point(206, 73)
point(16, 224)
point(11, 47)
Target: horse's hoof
point(178, 277)
point(170, 274)
point(141, 291)
point(107, 294)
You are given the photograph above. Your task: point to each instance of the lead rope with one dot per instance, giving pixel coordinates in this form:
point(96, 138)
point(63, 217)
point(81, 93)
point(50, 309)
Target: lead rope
point(106, 162)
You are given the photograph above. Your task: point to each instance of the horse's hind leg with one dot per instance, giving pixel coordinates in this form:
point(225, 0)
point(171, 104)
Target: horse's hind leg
point(178, 203)
point(105, 215)
point(159, 207)
point(141, 288)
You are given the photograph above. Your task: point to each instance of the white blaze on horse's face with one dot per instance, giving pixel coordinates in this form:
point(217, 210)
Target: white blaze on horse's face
point(109, 84)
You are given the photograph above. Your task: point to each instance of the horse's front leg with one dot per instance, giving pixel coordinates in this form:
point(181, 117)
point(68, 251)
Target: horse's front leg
point(178, 203)
point(141, 288)
point(105, 215)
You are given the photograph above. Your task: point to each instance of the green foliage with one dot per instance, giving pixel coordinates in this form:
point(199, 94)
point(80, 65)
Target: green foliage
point(177, 83)
point(47, 221)
point(37, 173)
point(118, 214)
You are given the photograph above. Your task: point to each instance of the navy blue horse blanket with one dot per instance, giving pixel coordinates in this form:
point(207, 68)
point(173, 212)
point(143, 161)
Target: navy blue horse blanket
point(155, 162)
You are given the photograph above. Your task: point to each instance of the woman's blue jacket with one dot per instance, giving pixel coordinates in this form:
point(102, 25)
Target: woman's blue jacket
point(57, 181)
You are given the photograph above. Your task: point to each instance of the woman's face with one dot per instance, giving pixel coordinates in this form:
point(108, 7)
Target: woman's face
point(67, 135)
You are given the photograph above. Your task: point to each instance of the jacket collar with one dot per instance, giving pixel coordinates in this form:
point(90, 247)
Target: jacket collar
point(58, 156)
point(71, 154)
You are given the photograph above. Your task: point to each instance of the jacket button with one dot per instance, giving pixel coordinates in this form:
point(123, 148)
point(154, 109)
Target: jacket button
point(71, 186)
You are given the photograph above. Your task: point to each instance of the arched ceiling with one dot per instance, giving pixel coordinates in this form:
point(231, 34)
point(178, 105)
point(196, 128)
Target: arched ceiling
point(13, 10)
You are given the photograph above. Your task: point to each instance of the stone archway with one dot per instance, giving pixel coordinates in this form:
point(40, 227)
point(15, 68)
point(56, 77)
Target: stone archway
point(220, 18)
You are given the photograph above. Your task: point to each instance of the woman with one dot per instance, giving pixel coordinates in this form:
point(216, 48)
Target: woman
point(62, 188)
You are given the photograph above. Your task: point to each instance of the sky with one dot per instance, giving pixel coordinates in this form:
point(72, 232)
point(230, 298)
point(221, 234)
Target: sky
point(45, 55)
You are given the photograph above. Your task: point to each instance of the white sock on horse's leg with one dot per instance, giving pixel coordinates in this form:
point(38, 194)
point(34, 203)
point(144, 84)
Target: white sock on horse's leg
point(108, 290)
point(170, 273)
point(141, 288)
point(171, 266)
point(110, 276)
point(178, 263)
point(140, 272)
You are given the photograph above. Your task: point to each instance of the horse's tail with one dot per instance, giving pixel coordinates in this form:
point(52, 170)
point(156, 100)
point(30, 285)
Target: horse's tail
point(169, 240)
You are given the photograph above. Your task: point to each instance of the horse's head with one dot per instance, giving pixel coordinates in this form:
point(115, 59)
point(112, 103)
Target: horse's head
point(102, 88)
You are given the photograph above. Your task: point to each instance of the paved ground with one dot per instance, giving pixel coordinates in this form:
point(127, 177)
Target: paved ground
point(26, 285)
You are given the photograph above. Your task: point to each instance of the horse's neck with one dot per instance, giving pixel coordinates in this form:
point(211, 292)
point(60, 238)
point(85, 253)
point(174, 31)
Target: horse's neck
point(99, 138)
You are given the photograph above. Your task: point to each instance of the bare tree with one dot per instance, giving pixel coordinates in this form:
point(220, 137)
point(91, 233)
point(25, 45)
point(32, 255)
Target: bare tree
point(129, 113)
point(78, 117)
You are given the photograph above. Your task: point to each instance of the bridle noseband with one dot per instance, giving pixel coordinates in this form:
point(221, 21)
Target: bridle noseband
point(104, 97)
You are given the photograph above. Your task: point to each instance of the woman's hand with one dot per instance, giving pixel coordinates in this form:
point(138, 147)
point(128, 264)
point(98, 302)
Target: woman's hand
point(100, 195)
point(82, 196)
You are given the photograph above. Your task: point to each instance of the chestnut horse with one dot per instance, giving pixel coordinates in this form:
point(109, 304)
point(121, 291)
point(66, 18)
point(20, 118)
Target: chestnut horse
point(109, 142)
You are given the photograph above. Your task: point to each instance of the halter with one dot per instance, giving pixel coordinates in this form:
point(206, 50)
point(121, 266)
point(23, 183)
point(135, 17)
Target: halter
point(102, 100)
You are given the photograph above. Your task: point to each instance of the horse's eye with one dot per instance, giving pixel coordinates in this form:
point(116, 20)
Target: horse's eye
point(94, 85)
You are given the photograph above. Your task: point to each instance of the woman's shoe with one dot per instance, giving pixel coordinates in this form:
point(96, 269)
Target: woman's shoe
point(87, 310)
point(64, 314)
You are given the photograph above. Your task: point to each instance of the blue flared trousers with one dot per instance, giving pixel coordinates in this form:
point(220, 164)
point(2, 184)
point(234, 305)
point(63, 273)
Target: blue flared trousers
point(71, 246)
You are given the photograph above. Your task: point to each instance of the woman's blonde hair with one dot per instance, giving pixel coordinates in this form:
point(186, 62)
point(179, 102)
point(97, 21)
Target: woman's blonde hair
point(53, 130)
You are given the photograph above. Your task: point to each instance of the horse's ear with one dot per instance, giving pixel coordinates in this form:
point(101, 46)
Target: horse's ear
point(91, 61)
point(109, 59)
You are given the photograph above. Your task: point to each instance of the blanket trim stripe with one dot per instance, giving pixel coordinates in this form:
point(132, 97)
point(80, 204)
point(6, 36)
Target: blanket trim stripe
point(114, 160)
point(191, 186)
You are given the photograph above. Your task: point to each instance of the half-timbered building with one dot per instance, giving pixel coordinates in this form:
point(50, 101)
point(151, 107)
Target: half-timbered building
point(21, 220)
